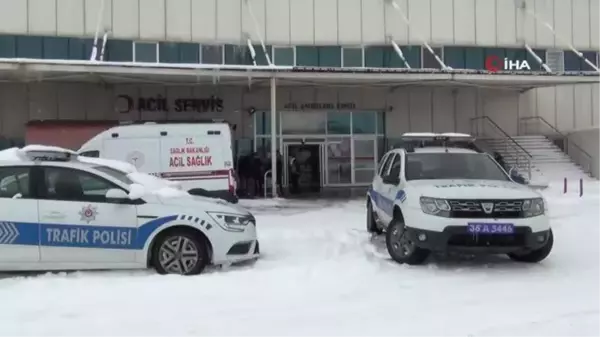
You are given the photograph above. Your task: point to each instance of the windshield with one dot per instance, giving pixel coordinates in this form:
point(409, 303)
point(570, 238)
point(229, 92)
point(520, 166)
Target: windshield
point(115, 174)
point(452, 166)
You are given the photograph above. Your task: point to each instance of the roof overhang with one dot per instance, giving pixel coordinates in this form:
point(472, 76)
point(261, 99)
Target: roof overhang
point(30, 70)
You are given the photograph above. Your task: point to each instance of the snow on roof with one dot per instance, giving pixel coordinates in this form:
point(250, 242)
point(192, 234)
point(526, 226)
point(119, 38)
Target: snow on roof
point(46, 148)
point(11, 154)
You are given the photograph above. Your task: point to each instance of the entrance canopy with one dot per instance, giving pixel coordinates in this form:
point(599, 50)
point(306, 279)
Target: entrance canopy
point(31, 70)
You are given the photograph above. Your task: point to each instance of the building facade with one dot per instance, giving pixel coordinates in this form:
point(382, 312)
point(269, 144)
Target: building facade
point(349, 122)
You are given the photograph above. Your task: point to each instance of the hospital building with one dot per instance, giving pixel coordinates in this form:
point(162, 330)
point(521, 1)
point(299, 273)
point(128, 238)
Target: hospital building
point(343, 79)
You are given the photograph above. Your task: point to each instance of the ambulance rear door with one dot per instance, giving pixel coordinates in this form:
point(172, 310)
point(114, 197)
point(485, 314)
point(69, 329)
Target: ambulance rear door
point(196, 161)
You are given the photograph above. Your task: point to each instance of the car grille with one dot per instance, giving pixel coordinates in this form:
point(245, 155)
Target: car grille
point(502, 209)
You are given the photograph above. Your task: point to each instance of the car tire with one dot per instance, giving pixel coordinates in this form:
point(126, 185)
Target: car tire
point(400, 248)
point(535, 256)
point(180, 252)
point(371, 222)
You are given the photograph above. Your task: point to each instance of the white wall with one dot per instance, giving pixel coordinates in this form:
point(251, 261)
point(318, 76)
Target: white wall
point(588, 140)
point(414, 109)
point(343, 22)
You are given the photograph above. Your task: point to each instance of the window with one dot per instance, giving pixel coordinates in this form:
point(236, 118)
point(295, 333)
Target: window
point(396, 166)
point(363, 122)
point(236, 54)
point(170, 52)
point(474, 58)
point(386, 166)
point(261, 59)
point(13, 181)
point(374, 57)
point(77, 49)
point(338, 123)
point(429, 61)
point(391, 59)
point(454, 57)
point(8, 46)
point(533, 63)
point(119, 51)
point(352, 57)
point(574, 63)
point(330, 57)
point(412, 54)
point(382, 163)
point(29, 47)
point(145, 52)
point(56, 48)
point(452, 166)
point(212, 54)
point(307, 56)
point(284, 56)
point(74, 185)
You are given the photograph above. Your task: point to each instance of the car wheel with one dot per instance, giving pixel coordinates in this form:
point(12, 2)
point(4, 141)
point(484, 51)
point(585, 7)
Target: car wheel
point(400, 247)
point(371, 222)
point(180, 252)
point(535, 256)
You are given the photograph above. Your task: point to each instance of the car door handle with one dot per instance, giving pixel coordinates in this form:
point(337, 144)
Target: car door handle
point(55, 215)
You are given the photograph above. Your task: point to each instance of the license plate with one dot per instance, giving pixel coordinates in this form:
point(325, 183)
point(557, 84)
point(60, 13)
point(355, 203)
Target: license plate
point(490, 228)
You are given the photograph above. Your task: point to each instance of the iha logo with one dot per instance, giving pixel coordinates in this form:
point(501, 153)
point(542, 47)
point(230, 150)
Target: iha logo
point(494, 63)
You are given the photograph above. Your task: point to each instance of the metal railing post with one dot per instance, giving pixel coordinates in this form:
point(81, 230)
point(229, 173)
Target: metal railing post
point(265, 182)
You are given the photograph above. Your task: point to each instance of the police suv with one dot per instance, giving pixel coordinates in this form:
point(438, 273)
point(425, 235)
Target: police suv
point(59, 211)
point(437, 192)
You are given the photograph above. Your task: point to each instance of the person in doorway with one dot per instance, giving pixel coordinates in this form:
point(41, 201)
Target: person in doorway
point(294, 173)
point(279, 162)
point(255, 172)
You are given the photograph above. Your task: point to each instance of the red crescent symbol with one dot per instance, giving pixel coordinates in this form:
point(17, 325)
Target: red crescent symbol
point(493, 63)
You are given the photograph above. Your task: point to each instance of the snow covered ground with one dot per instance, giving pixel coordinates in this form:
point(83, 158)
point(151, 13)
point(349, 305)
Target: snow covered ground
point(321, 274)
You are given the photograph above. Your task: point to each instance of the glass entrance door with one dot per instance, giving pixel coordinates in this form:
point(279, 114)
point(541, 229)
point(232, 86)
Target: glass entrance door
point(365, 159)
point(303, 166)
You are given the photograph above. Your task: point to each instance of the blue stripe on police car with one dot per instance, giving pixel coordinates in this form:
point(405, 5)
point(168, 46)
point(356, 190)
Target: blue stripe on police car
point(79, 236)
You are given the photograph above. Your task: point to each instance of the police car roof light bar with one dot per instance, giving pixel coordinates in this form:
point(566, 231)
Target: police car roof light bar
point(47, 153)
point(423, 139)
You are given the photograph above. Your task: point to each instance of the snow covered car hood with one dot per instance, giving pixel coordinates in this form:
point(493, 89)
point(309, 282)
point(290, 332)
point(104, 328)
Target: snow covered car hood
point(470, 189)
point(198, 203)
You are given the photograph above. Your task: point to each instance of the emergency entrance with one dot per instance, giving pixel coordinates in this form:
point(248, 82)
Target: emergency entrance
point(333, 148)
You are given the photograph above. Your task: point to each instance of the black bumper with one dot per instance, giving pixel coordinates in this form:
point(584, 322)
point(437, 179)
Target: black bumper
point(456, 238)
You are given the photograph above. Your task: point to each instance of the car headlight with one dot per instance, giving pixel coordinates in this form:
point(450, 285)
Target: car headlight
point(533, 207)
point(433, 206)
point(231, 222)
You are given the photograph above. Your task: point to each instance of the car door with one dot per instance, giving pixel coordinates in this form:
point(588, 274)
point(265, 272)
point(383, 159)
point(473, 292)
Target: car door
point(19, 227)
point(389, 191)
point(78, 224)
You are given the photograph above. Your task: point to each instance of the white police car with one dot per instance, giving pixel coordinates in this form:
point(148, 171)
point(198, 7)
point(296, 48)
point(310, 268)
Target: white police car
point(59, 211)
point(436, 194)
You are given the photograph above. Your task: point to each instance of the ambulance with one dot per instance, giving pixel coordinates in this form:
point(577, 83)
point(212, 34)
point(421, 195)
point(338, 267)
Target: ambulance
point(198, 156)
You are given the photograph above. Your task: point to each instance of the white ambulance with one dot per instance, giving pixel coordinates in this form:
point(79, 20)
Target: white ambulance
point(197, 155)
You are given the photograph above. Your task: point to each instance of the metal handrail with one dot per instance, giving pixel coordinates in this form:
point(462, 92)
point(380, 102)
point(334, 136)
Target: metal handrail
point(516, 146)
point(564, 137)
point(265, 182)
point(506, 135)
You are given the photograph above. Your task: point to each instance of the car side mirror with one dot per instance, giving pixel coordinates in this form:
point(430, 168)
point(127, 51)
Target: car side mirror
point(391, 180)
point(115, 194)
